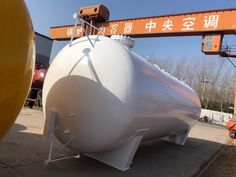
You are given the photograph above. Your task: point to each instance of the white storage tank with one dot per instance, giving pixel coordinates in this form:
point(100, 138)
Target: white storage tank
point(106, 99)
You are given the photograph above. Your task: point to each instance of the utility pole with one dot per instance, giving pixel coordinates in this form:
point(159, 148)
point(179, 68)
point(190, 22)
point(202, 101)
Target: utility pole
point(205, 81)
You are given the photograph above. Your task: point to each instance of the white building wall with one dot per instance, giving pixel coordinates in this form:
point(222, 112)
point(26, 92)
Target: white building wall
point(215, 117)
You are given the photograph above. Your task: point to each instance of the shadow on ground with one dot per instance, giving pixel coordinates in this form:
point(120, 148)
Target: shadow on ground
point(22, 154)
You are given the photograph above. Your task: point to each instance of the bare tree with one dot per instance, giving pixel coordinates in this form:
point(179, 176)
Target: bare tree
point(211, 78)
point(167, 64)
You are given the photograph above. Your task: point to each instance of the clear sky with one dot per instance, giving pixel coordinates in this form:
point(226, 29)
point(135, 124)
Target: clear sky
point(47, 13)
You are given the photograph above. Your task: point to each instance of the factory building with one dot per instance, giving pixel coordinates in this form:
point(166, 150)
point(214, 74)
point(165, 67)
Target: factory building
point(43, 49)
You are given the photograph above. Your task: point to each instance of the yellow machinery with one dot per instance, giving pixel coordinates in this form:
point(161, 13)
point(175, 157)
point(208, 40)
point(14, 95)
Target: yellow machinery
point(17, 57)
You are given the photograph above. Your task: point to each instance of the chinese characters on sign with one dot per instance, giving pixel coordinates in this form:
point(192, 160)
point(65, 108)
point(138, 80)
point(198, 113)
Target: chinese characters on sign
point(76, 32)
point(188, 24)
point(211, 21)
point(151, 25)
point(102, 30)
point(166, 24)
point(113, 28)
point(128, 27)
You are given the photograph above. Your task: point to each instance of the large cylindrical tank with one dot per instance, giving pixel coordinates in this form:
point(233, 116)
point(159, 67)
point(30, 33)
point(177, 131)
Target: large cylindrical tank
point(17, 57)
point(38, 78)
point(103, 95)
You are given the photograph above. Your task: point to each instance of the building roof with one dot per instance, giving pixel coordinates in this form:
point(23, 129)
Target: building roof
point(43, 36)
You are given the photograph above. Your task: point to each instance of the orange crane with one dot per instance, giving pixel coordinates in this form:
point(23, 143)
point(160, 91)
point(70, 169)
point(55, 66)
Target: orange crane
point(211, 25)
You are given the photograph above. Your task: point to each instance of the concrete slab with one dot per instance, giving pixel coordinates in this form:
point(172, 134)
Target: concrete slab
point(24, 148)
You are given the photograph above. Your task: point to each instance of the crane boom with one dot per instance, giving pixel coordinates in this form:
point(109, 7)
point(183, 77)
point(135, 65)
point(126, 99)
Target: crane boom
point(187, 24)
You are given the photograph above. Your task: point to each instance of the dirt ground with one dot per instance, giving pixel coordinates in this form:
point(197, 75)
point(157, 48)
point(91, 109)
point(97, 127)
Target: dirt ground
point(225, 164)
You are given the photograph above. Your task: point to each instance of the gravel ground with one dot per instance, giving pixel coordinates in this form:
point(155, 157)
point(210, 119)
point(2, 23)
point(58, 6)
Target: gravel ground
point(225, 164)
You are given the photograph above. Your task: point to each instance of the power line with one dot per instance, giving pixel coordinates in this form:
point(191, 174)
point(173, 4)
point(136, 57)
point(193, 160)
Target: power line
point(231, 62)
